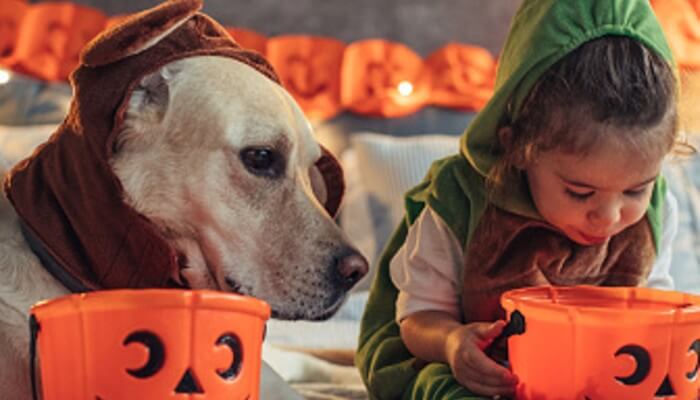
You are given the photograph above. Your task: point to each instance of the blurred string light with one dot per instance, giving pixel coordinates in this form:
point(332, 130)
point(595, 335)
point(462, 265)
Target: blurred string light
point(405, 88)
point(4, 76)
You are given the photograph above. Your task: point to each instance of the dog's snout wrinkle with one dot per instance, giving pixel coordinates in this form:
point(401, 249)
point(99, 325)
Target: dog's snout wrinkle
point(351, 268)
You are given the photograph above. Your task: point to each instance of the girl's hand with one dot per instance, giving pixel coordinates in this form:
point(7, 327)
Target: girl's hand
point(464, 350)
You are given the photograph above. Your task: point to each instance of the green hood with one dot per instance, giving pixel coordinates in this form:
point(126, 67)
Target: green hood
point(543, 31)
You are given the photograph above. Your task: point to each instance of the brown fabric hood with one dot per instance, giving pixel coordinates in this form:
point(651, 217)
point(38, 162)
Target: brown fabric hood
point(67, 196)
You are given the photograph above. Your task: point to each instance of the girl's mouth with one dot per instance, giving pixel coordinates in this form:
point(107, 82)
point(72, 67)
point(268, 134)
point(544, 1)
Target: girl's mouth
point(593, 239)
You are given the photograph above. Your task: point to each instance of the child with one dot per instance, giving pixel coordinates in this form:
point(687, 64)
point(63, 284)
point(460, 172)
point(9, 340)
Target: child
point(557, 182)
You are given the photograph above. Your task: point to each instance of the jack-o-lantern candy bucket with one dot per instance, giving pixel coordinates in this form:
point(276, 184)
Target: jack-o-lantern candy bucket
point(149, 344)
point(594, 343)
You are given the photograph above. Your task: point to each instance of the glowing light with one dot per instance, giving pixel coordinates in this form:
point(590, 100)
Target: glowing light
point(405, 88)
point(4, 76)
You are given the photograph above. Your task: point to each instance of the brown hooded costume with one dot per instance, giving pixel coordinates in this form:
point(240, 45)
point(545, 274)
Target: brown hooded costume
point(70, 202)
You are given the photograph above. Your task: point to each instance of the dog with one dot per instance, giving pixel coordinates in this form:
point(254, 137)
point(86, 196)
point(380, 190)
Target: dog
point(221, 161)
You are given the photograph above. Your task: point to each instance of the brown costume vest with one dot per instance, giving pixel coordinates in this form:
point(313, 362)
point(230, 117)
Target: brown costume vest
point(508, 251)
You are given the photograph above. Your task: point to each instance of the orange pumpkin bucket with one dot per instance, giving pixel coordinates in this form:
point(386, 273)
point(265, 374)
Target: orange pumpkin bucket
point(595, 343)
point(150, 344)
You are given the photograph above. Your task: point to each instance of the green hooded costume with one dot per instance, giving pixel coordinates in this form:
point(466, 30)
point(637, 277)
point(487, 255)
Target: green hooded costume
point(506, 234)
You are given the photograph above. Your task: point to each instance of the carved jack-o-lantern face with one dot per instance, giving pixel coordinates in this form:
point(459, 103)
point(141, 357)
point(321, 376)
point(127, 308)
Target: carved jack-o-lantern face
point(383, 78)
point(463, 76)
point(162, 344)
point(309, 68)
point(51, 37)
point(606, 343)
point(11, 14)
point(642, 366)
point(645, 369)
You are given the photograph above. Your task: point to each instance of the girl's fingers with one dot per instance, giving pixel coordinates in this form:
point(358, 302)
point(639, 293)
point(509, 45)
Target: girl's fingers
point(488, 332)
point(479, 386)
point(484, 366)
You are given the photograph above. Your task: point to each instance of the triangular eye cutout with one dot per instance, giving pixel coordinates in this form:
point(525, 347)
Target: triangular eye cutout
point(138, 32)
point(666, 389)
point(189, 383)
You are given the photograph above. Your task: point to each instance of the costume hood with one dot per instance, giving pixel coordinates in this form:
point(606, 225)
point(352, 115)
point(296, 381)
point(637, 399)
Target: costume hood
point(542, 33)
point(69, 200)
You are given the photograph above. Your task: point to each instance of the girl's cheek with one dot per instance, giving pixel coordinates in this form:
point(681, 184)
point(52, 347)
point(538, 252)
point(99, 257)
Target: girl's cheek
point(634, 212)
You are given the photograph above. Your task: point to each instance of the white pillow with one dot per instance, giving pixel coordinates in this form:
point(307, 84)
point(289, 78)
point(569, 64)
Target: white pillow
point(379, 169)
point(683, 178)
point(18, 142)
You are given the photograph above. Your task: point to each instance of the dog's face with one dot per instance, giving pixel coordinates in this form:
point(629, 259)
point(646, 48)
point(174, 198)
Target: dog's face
point(221, 159)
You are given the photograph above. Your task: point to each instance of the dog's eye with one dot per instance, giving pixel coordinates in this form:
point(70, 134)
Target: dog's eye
point(263, 161)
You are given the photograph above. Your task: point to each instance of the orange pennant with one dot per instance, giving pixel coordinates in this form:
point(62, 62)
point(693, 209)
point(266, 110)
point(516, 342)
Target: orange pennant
point(11, 15)
point(249, 39)
point(309, 67)
point(116, 20)
point(681, 23)
point(51, 38)
point(383, 78)
point(463, 76)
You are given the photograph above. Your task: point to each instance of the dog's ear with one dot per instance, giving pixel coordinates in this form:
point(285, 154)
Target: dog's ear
point(327, 181)
point(150, 100)
point(148, 104)
point(138, 32)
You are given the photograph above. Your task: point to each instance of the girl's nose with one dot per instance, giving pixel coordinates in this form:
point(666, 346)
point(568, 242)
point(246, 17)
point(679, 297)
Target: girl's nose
point(604, 215)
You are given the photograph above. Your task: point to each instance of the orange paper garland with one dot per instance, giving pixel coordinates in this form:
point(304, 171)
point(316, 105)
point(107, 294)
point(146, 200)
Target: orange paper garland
point(374, 77)
point(308, 67)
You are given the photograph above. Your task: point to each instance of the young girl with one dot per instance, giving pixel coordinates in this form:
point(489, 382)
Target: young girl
point(557, 182)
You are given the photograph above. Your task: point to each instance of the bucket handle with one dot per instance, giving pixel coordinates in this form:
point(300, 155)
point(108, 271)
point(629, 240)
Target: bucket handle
point(515, 326)
point(33, 334)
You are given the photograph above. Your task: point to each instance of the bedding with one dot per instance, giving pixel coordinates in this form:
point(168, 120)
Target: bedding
point(29, 101)
point(329, 391)
point(372, 208)
point(379, 169)
point(683, 177)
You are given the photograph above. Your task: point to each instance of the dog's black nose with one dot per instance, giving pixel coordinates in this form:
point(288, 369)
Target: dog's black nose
point(352, 268)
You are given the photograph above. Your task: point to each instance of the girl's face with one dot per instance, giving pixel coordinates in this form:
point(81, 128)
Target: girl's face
point(591, 198)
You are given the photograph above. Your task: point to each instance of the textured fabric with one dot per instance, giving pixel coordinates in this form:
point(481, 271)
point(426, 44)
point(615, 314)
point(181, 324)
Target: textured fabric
point(27, 101)
point(66, 193)
point(543, 31)
point(684, 181)
point(425, 269)
point(508, 251)
point(374, 203)
point(427, 264)
point(660, 276)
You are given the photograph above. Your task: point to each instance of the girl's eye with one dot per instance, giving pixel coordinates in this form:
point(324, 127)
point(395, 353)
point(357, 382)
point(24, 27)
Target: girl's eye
point(636, 192)
point(579, 196)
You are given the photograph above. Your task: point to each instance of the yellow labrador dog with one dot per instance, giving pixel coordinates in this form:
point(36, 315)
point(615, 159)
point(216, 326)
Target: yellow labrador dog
point(220, 160)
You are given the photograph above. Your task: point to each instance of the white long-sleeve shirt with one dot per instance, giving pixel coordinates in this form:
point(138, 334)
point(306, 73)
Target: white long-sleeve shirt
point(426, 269)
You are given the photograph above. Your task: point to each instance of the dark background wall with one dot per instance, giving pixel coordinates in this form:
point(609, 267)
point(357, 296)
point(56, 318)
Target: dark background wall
point(424, 25)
